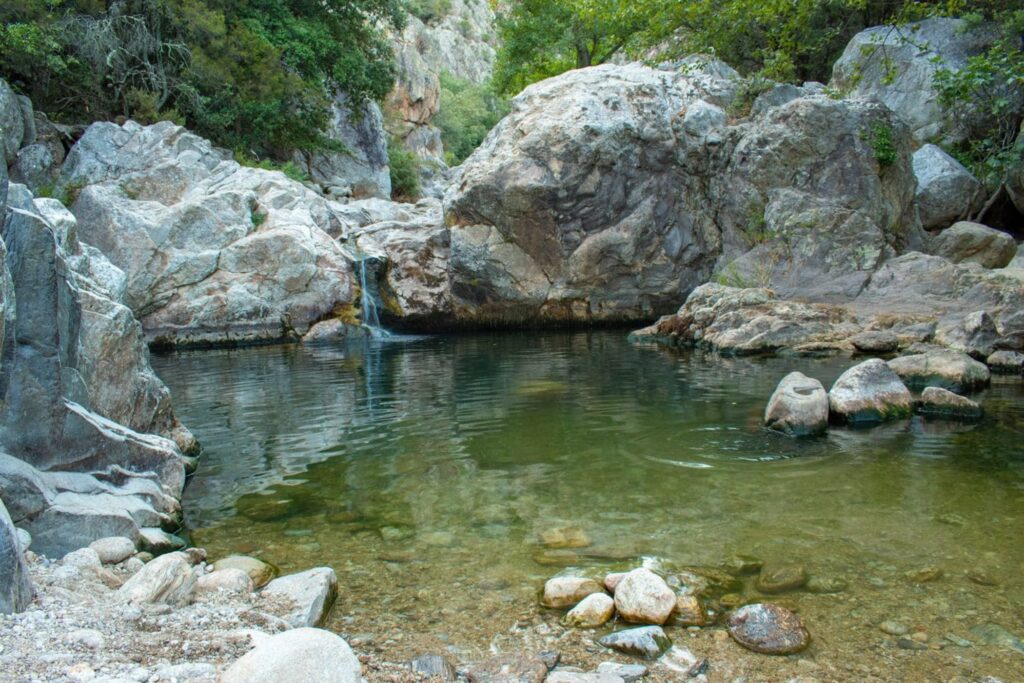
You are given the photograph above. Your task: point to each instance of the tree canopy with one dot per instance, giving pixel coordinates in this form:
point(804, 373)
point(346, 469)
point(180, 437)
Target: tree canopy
point(253, 75)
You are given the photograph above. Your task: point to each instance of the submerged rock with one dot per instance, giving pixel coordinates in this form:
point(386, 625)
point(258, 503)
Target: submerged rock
point(643, 597)
point(646, 641)
point(566, 591)
point(869, 392)
point(769, 629)
point(302, 655)
point(509, 668)
point(434, 666)
point(781, 578)
point(689, 611)
point(950, 370)
point(799, 406)
point(942, 403)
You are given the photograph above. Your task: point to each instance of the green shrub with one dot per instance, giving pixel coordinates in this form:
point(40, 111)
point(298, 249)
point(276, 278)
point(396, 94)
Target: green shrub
point(879, 136)
point(405, 177)
point(467, 113)
point(429, 11)
point(289, 168)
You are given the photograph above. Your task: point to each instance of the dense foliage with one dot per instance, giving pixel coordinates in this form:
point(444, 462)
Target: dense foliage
point(253, 75)
point(404, 168)
point(467, 112)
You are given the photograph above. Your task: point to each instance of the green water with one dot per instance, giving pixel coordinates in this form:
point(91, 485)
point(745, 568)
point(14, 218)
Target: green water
point(427, 472)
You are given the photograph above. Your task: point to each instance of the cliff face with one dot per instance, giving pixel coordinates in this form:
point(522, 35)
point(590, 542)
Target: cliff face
point(460, 43)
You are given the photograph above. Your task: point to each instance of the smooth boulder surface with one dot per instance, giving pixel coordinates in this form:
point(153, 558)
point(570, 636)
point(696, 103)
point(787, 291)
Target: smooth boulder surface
point(950, 370)
point(940, 402)
point(591, 612)
point(799, 406)
point(645, 641)
point(967, 242)
point(225, 581)
point(768, 629)
point(113, 549)
point(876, 341)
point(214, 252)
point(643, 597)
point(1006, 362)
point(311, 594)
point(15, 586)
point(946, 191)
point(896, 65)
point(566, 591)
point(869, 392)
point(781, 578)
point(259, 571)
point(611, 191)
point(302, 655)
point(167, 579)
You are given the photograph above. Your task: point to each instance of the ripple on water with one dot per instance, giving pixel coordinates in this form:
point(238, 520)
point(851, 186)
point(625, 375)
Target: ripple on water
point(426, 472)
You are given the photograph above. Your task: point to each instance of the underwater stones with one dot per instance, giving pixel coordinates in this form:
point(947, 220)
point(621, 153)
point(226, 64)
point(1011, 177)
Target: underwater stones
point(924, 575)
point(302, 655)
point(826, 584)
point(166, 579)
point(591, 612)
point(893, 628)
point(781, 578)
point(1006, 362)
point(509, 668)
point(942, 403)
point(645, 641)
point(950, 370)
point(311, 593)
point(564, 537)
point(434, 666)
point(768, 629)
point(741, 565)
point(643, 597)
point(689, 611)
point(875, 341)
point(259, 571)
point(611, 581)
point(798, 407)
point(566, 591)
point(869, 392)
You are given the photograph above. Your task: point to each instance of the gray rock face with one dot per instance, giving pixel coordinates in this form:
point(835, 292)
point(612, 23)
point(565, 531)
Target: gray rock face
point(747, 321)
point(946, 191)
point(12, 123)
point(799, 406)
point(302, 655)
point(942, 403)
point(869, 392)
point(974, 334)
point(78, 394)
point(15, 586)
point(311, 592)
point(876, 341)
point(896, 65)
point(610, 192)
point(950, 370)
point(363, 167)
point(967, 242)
point(213, 252)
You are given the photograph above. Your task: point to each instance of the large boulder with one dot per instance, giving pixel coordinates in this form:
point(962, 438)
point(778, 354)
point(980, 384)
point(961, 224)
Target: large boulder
point(869, 392)
point(967, 242)
point(214, 252)
point(896, 65)
point(799, 406)
point(302, 655)
point(78, 393)
point(946, 369)
point(310, 595)
point(12, 124)
point(361, 168)
point(15, 586)
point(609, 193)
point(946, 190)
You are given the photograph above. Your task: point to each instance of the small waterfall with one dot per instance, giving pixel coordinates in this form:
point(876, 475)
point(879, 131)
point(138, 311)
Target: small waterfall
point(368, 302)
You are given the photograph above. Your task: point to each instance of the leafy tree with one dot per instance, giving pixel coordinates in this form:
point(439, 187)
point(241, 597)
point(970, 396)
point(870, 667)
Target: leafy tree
point(405, 176)
point(543, 38)
point(467, 113)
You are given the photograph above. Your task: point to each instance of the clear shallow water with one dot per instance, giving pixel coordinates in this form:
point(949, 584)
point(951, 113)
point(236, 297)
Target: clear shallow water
point(427, 472)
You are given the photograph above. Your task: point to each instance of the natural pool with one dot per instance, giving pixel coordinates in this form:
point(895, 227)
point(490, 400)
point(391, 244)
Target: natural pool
point(427, 471)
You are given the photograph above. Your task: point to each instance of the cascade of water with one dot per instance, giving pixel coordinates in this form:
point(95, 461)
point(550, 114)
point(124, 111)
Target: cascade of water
point(368, 304)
